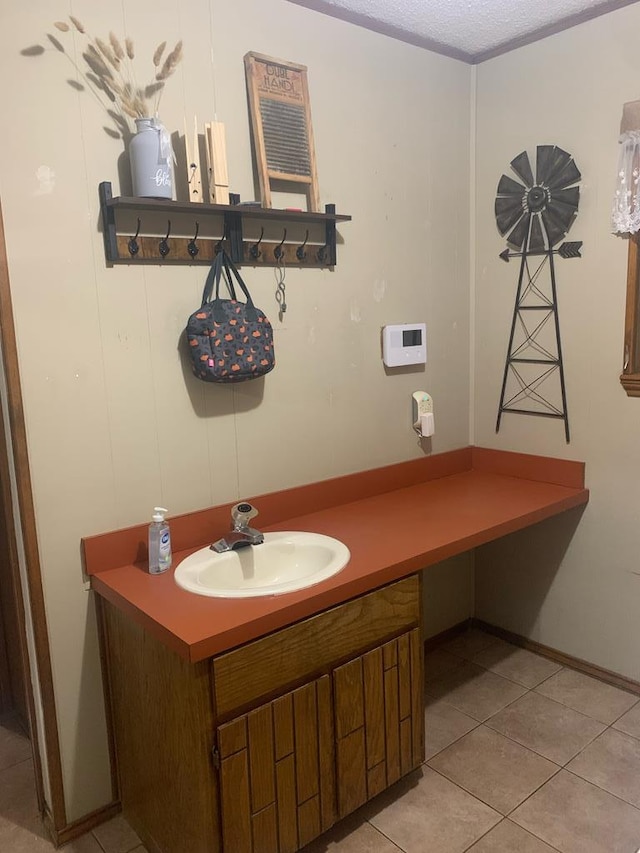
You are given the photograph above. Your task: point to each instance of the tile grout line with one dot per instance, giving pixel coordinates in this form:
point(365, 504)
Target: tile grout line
point(390, 840)
point(532, 834)
point(560, 767)
point(604, 790)
point(16, 764)
point(502, 816)
point(435, 754)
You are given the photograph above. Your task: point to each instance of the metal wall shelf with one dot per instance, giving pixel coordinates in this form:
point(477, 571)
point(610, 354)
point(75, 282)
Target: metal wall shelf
point(161, 231)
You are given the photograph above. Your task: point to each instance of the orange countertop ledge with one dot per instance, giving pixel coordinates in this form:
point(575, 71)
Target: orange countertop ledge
point(395, 520)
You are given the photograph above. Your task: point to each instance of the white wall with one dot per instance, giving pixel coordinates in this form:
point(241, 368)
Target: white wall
point(573, 586)
point(113, 425)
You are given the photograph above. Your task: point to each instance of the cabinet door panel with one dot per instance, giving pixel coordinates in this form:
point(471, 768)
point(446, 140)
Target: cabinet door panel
point(349, 692)
point(326, 750)
point(305, 720)
point(404, 677)
point(308, 821)
point(374, 708)
point(283, 725)
point(234, 801)
point(392, 718)
point(261, 758)
point(277, 785)
point(232, 737)
point(376, 779)
point(265, 830)
point(406, 762)
point(352, 772)
point(287, 804)
point(379, 719)
point(417, 696)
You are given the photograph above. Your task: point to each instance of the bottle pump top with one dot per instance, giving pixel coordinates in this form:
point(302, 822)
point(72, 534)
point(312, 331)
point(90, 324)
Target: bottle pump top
point(159, 513)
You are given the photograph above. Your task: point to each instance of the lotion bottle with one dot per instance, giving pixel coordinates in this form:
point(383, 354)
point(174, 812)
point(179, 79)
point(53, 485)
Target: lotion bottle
point(159, 542)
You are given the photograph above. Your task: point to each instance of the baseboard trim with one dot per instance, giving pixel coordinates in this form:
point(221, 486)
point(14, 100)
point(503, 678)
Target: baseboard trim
point(606, 675)
point(432, 643)
point(80, 827)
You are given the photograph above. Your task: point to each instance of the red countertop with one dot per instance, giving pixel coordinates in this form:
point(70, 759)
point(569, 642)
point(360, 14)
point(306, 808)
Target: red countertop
point(395, 520)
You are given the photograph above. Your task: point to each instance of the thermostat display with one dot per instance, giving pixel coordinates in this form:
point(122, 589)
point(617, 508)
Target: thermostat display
point(412, 338)
point(404, 344)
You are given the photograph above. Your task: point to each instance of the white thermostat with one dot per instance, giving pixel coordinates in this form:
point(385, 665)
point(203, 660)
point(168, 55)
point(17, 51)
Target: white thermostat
point(404, 344)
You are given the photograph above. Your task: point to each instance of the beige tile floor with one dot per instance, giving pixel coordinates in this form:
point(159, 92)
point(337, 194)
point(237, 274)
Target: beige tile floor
point(522, 756)
point(21, 830)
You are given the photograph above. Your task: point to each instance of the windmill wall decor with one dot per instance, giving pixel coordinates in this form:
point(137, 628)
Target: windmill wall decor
point(535, 215)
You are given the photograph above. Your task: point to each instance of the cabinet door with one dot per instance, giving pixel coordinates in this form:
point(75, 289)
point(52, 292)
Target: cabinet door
point(379, 719)
point(277, 772)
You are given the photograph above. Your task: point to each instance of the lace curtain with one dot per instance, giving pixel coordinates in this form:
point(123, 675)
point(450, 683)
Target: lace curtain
point(625, 216)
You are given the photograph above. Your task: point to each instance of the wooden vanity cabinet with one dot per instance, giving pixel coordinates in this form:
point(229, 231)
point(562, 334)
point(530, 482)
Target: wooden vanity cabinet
point(287, 734)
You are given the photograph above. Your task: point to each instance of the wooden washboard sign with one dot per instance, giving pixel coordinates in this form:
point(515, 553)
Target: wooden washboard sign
point(281, 125)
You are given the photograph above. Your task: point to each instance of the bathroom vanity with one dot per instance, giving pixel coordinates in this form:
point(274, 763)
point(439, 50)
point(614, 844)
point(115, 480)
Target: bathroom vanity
point(264, 747)
point(253, 725)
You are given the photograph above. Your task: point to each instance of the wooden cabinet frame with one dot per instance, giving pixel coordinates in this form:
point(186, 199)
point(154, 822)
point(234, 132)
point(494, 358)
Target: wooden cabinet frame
point(630, 376)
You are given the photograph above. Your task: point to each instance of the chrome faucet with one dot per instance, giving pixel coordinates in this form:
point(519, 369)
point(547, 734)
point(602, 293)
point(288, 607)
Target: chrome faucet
point(241, 534)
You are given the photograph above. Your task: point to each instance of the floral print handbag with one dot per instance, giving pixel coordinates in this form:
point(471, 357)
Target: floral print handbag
point(229, 341)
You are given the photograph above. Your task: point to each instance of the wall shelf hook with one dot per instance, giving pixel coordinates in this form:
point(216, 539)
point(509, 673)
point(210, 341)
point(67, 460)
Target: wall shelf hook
point(133, 245)
point(225, 235)
point(192, 247)
point(163, 246)
point(254, 251)
point(278, 252)
point(301, 253)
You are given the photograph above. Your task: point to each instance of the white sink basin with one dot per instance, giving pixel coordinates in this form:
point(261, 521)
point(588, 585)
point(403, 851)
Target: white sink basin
point(284, 562)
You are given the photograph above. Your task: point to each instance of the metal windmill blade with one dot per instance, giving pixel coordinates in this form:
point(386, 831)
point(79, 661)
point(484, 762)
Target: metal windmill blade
point(550, 160)
point(522, 167)
point(555, 231)
point(555, 172)
point(519, 234)
point(564, 177)
point(508, 211)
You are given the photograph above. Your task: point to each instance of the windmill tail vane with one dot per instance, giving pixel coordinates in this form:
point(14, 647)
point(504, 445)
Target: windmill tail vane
point(535, 213)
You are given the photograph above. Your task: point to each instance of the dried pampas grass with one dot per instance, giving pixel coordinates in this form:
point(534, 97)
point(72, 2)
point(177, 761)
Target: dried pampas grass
point(108, 54)
point(116, 46)
point(109, 69)
point(171, 62)
point(96, 64)
point(157, 56)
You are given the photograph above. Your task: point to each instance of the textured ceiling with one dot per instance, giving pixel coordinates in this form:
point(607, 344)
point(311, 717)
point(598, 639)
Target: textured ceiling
point(472, 30)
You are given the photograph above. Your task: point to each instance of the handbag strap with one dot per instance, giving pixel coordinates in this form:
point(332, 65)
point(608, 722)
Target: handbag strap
point(230, 267)
point(213, 279)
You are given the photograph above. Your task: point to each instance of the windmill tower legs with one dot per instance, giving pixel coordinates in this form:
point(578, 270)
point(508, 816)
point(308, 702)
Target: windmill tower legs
point(533, 359)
